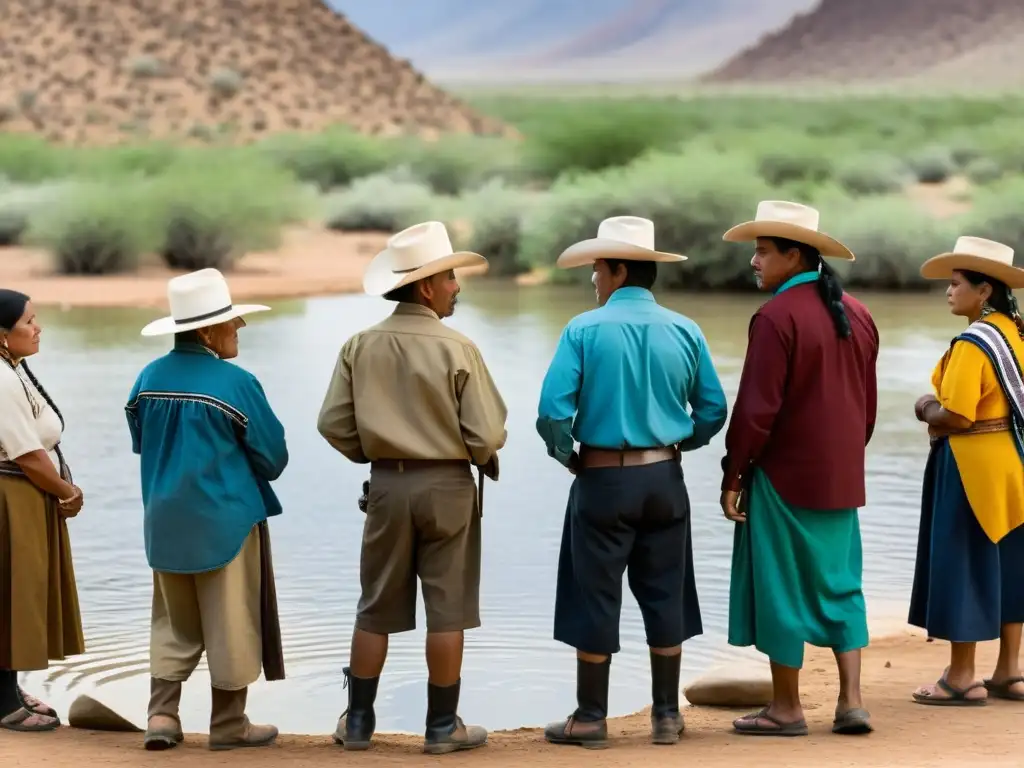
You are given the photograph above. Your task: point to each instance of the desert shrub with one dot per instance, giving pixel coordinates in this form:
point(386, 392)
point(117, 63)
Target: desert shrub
point(982, 171)
point(379, 203)
point(225, 82)
point(932, 165)
point(331, 159)
point(145, 66)
point(495, 215)
point(589, 137)
point(890, 237)
point(795, 162)
point(996, 215)
point(29, 159)
point(872, 174)
point(208, 212)
point(456, 163)
point(93, 229)
point(18, 203)
point(692, 200)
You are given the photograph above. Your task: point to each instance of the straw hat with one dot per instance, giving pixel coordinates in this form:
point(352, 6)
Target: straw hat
point(792, 221)
point(620, 237)
point(422, 250)
point(976, 254)
point(198, 300)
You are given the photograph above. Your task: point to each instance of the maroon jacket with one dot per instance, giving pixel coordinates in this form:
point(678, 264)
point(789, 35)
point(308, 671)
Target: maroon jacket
point(807, 401)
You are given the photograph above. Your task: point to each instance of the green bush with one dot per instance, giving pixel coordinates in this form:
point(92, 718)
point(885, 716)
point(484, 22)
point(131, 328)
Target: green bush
point(453, 164)
point(692, 200)
point(585, 137)
point(795, 164)
point(211, 212)
point(495, 214)
point(872, 174)
point(18, 203)
point(331, 159)
point(380, 203)
point(93, 229)
point(890, 237)
point(997, 215)
point(982, 171)
point(932, 165)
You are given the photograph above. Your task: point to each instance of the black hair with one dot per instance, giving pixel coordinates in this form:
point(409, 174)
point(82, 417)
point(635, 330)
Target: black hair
point(12, 307)
point(187, 337)
point(829, 287)
point(1002, 298)
point(406, 294)
point(639, 274)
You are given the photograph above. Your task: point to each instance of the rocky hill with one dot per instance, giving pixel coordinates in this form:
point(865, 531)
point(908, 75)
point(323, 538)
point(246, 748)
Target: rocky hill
point(96, 71)
point(932, 42)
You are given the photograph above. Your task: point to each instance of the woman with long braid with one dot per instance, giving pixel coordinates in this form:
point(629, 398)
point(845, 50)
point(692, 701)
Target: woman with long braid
point(795, 448)
point(38, 595)
point(969, 578)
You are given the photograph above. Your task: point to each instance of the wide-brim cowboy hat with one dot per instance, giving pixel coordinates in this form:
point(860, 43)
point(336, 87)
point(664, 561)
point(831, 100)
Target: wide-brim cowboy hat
point(790, 221)
point(198, 300)
point(976, 254)
point(422, 250)
point(629, 238)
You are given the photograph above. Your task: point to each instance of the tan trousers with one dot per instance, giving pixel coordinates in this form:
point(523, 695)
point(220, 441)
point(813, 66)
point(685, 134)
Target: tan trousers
point(218, 612)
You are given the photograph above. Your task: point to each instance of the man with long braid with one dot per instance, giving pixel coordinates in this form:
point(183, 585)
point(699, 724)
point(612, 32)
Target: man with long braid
point(794, 468)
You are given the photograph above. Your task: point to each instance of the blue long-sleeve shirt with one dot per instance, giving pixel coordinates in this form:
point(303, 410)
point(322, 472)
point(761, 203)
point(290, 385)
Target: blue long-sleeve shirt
point(209, 445)
point(622, 376)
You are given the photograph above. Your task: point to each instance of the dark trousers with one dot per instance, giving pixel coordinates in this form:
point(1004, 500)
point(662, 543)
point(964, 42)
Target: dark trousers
point(626, 519)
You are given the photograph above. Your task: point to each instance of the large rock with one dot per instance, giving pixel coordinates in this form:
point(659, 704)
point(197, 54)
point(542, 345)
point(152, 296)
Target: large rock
point(92, 715)
point(747, 686)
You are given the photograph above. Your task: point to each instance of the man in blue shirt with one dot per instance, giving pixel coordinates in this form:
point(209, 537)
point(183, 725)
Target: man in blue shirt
point(619, 385)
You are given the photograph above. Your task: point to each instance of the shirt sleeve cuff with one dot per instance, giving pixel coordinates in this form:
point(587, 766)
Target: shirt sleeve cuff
point(731, 478)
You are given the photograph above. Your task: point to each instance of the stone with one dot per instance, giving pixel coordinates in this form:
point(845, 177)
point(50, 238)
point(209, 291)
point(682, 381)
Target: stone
point(87, 713)
point(745, 687)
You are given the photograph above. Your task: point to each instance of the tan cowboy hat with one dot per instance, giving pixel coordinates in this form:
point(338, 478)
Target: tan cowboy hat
point(976, 254)
point(620, 237)
point(198, 300)
point(792, 221)
point(420, 251)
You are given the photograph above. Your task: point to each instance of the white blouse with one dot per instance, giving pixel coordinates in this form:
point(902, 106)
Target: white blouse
point(27, 422)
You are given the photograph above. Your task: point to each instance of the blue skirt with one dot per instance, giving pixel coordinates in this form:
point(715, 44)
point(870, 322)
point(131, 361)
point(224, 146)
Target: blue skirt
point(965, 587)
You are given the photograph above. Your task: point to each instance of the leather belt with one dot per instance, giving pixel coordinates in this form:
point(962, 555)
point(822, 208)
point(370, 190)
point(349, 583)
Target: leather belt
point(595, 458)
point(986, 426)
point(403, 465)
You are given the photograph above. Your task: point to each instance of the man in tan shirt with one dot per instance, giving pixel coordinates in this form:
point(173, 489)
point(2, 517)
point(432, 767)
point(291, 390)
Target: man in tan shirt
point(415, 400)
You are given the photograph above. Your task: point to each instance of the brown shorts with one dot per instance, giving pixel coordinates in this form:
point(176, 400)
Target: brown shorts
point(425, 522)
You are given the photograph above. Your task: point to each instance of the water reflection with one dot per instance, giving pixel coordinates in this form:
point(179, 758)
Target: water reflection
point(514, 674)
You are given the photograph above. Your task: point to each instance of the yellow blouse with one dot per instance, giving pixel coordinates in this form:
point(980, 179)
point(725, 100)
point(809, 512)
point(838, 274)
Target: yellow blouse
point(991, 469)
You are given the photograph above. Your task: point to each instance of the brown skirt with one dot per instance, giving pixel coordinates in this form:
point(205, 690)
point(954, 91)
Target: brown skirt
point(37, 580)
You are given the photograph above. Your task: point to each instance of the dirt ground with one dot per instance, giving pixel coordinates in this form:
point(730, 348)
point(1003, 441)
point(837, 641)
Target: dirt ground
point(906, 735)
point(310, 261)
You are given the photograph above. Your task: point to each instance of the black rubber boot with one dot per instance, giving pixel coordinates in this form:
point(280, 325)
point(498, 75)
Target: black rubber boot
point(358, 722)
point(587, 726)
point(445, 730)
point(666, 720)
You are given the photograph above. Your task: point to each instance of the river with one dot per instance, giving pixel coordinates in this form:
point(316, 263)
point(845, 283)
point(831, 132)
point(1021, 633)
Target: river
point(514, 674)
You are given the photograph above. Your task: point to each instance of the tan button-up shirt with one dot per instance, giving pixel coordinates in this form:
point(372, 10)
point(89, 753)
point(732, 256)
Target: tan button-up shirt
point(412, 388)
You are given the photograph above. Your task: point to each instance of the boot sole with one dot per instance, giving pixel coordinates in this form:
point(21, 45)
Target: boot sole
point(447, 749)
point(602, 744)
point(243, 745)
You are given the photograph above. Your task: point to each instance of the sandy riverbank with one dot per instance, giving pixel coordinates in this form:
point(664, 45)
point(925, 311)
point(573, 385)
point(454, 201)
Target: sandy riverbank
point(310, 261)
point(907, 734)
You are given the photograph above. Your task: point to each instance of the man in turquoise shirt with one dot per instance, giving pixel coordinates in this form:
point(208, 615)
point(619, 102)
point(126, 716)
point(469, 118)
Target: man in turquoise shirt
point(619, 385)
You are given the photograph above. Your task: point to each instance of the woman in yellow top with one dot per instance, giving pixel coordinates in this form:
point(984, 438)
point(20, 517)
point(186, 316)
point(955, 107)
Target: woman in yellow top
point(969, 577)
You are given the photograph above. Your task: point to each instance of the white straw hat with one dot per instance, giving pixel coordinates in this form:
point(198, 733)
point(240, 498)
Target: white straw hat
point(198, 300)
point(620, 237)
point(976, 254)
point(791, 221)
point(420, 251)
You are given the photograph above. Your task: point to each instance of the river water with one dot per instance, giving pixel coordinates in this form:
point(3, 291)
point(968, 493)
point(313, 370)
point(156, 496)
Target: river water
point(514, 674)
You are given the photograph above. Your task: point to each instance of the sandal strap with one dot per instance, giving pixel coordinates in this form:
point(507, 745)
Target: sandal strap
point(956, 693)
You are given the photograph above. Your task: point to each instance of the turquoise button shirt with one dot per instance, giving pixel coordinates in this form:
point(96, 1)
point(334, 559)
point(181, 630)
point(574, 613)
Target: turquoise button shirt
point(209, 445)
point(622, 376)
